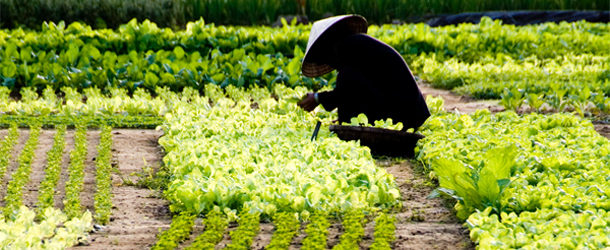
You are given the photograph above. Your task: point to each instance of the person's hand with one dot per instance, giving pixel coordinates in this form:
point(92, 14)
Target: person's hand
point(309, 103)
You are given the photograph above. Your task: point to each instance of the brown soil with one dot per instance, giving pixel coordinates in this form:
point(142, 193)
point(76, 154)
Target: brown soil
point(138, 214)
point(458, 103)
point(603, 129)
point(13, 164)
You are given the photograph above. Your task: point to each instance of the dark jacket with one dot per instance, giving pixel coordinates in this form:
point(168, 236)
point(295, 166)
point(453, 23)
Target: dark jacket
point(375, 80)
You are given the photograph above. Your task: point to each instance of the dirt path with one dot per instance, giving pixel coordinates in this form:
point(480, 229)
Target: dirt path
point(45, 143)
point(463, 104)
point(60, 189)
point(603, 129)
point(424, 223)
point(138, 214)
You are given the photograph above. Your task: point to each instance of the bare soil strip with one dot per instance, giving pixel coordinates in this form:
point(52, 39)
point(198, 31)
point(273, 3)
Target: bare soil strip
point(603, 129)
point(60, 189)
point(24, 134)
point(424, 223)
point(138, 214)
point(87, 195)
point(45, 143)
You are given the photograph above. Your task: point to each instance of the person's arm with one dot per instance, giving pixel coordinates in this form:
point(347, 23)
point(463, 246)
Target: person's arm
point(328, 99)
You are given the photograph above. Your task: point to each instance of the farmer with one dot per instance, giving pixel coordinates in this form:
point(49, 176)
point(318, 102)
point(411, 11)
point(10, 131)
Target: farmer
point(373, 77)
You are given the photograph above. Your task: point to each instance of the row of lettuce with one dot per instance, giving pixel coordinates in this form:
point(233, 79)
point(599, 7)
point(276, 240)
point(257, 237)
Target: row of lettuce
point(537, 67)
point(47, 227)
point(468, 42)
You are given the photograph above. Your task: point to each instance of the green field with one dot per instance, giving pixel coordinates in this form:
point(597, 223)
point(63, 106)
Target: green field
point(237, 149)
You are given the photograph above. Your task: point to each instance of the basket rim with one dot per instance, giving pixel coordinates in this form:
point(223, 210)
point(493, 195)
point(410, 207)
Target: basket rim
point(372, 130)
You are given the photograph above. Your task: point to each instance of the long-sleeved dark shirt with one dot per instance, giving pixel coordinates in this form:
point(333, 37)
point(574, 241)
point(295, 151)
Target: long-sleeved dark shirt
point(375, 80)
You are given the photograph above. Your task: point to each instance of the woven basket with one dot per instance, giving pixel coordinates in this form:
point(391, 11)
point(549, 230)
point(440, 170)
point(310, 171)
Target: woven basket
point(381, 141)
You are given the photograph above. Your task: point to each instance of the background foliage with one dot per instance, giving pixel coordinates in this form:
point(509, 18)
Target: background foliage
point(176, 13)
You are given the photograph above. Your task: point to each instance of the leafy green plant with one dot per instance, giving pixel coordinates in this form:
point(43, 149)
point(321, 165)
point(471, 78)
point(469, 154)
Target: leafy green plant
point(476, 187)
point(74, 185)
point(581, 100)
point(362, 120)
point(512, 99)
point(46, 192)
point(544, 228)
point(103, 180)
point(535, 101)
point(22, 230)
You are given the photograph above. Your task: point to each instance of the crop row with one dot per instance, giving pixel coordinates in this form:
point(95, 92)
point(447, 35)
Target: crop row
point(46, 191)
point(286, 227)
point(180, 229)
point(21, 176)
point(116, 121)
point(20, 229)
point(176, 69)
point(488, 78)
point(465, 41)
point(76, 172)
point(317, 232)
point(243, 236)
point(353, 230)
point(508, 172)
point(569, 82)
point(6, 148)
point(384, 232)
point(215, 225)
point(103, 180)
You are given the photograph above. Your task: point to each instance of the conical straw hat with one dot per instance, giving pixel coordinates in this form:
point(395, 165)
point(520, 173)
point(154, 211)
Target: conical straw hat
point(355, 23)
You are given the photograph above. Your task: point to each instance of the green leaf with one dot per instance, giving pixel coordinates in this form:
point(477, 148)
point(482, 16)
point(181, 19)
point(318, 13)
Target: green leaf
point(26, 54)
point(500, 160)
point(362, 119)
point(179, 52)
point(9, 69)
point(151, 79)
point(488, 187)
